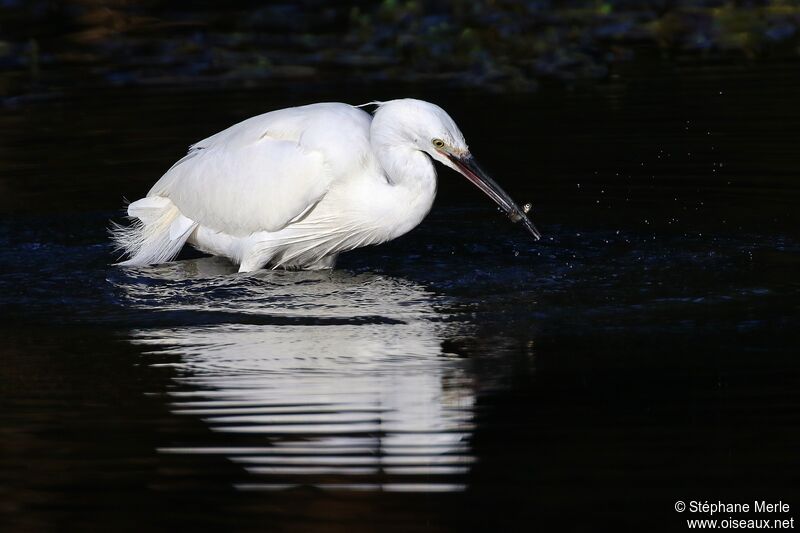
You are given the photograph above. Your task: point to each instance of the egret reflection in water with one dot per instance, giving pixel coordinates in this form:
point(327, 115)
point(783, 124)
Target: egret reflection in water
point(340, 380)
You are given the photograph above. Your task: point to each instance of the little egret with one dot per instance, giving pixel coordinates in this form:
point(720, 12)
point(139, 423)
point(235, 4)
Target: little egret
point(295, 187)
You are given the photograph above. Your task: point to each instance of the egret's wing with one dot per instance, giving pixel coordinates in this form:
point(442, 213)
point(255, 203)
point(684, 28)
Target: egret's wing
point(254, 176)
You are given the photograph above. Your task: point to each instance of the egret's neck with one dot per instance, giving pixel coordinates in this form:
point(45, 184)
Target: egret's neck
point(406, 166)
point(411, 176)
point(403, 163)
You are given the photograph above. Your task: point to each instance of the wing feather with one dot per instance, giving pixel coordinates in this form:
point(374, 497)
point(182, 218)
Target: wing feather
point(265, 172)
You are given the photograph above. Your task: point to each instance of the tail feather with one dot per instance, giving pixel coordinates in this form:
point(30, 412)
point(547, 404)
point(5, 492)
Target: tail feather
point(149, 209)
point(156, 234)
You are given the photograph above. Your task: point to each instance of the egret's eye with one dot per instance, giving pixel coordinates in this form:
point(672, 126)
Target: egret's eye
point(438, 143)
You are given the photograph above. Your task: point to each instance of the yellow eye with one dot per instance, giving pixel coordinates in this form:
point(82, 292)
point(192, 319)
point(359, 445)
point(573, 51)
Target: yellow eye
point(438, 143)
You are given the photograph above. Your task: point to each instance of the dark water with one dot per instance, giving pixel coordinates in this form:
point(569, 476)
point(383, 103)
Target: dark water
point(460, 378)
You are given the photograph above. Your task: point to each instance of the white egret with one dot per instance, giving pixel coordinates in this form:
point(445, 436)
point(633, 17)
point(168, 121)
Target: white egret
point(295, 187)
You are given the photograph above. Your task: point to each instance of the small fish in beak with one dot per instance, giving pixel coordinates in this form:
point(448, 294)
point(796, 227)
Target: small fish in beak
point(469, 168)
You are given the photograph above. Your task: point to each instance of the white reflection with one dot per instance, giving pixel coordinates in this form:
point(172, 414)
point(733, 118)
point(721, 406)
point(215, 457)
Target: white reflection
point(340, 378)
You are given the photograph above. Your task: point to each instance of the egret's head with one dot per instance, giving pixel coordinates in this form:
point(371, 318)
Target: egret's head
point(423, 126)
point(428, 128)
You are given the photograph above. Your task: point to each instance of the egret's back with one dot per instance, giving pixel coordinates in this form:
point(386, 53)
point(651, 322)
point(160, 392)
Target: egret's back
point(264, 172)
point(259, 175)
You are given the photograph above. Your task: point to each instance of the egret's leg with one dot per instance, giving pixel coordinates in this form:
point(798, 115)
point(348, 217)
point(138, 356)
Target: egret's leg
point(215, 243)
point(252, 262)
point(327, 262)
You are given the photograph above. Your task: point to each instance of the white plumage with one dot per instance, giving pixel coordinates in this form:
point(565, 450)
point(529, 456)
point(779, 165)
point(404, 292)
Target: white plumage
point(295, 187)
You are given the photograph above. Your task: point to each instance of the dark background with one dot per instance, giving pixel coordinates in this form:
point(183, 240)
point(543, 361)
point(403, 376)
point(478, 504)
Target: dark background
point(642, 353)
point(490, 46)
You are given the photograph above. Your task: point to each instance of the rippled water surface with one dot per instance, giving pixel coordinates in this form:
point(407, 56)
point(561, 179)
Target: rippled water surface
point(460, 378)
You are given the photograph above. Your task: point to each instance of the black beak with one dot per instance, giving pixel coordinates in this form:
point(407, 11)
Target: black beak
point(470, 169)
